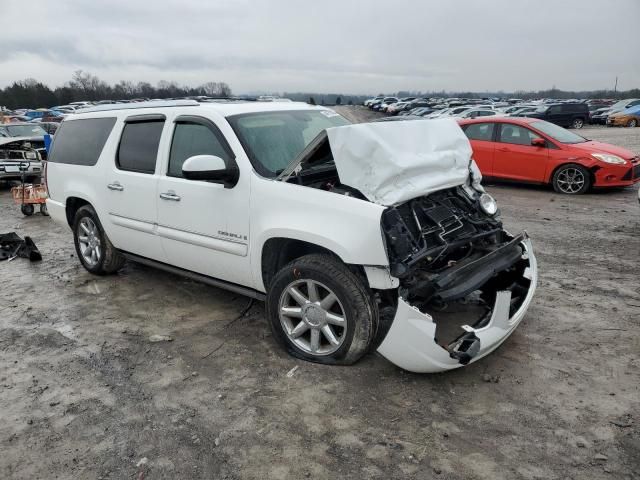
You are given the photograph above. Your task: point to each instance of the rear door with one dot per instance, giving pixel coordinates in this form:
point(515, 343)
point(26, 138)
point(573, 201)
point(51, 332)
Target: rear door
point(204, 227)
point(132, 187)
point(481, 137)
point(515, 158)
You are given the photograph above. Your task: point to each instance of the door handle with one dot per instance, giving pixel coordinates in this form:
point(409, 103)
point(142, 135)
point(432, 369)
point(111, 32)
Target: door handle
point(502, 149)
point(170, 195)
point(115, 186)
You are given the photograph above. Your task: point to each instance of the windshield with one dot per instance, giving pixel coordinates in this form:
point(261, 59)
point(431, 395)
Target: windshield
point(558, 133)
point(273, 139)
point(620, 104)
point(25, 130)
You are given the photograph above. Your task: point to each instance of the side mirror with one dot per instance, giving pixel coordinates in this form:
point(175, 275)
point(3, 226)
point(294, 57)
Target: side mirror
point(210, 168)
point(538, 142)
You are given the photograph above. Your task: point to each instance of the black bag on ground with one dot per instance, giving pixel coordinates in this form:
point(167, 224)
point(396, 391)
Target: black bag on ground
point(11, 245)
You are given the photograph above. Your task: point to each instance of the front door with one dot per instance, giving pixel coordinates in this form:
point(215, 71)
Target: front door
point(515, 158)
point(131, 186)
point(203, 226)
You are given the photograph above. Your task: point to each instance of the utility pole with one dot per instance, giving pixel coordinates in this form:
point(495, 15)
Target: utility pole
point(615, 87)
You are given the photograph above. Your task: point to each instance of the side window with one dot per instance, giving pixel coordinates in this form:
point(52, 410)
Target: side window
point(480, 131)
point(554, 109)
point(80, 142)
point(634, 103)
point(138, 149)
point(191, 138)
point(516, 135)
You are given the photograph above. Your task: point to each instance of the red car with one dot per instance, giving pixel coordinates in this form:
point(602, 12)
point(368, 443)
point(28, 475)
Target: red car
point(532, 150)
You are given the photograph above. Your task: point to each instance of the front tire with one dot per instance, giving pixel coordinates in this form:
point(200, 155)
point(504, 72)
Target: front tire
point(95, 251)
point(571, 179)
point(320, 311)
point(632, 123)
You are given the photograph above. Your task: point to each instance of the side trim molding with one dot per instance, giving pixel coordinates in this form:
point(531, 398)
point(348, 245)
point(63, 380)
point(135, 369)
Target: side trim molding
point(214, 282)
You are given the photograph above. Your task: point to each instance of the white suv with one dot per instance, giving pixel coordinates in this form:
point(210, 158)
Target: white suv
point(358, 237)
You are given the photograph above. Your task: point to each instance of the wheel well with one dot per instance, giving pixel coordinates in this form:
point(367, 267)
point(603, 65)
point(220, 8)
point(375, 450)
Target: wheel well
point(277, 252)
point(592, 171)
point(73, 204)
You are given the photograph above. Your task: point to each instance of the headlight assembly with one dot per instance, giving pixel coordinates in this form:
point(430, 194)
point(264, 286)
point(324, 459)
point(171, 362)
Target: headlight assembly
point(487, 204)
point(609, 158)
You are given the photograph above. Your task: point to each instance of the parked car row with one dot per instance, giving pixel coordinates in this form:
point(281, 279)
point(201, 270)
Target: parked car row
point(566, 113)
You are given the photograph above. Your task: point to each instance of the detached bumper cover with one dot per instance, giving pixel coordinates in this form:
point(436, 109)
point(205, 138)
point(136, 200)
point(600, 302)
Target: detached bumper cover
point(410, 342)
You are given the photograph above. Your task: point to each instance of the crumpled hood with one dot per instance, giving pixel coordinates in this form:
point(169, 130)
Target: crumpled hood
point(598, 147)
point(392, 162)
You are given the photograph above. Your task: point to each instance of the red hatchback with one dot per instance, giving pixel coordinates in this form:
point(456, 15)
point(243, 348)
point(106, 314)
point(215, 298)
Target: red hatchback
point(532, 150)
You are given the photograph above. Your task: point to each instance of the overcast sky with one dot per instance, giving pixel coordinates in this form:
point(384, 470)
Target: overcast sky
point(347, 46)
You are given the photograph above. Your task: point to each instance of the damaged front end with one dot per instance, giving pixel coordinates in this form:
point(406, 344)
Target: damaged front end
point(465, 283)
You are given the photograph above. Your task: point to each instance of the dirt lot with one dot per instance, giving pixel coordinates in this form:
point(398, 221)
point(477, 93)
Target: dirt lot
point(87, 391)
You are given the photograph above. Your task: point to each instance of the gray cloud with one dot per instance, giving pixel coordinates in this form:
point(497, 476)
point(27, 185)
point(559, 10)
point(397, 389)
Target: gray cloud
point(348, 45)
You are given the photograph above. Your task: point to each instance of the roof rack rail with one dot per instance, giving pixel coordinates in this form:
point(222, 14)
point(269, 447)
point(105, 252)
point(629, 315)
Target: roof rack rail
point(137, 105)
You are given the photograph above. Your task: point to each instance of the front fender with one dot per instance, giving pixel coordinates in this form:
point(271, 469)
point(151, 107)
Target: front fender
point(346, 226)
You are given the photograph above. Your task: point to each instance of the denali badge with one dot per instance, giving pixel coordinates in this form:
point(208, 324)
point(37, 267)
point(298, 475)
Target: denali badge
point(232, 235)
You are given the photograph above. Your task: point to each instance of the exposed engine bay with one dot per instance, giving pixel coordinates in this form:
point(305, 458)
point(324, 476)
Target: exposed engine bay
point(452, 259)
point(22, 149)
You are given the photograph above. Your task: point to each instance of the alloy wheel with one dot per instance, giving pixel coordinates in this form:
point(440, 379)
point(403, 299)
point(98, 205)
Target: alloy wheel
point(89, 241)
point(577, 123)
point(570, 180)
point(312, 317)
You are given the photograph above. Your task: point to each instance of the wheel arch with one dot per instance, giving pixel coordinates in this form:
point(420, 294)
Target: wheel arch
point(72, 205)
point(276, 252)
point(592, 169)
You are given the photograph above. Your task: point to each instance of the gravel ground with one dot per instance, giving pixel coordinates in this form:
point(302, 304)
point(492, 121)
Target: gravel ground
point(147, 375)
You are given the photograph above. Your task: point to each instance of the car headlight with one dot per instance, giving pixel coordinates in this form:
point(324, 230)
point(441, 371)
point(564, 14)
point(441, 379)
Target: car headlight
point(488, 204)
point(608, 158)
point(30, 155)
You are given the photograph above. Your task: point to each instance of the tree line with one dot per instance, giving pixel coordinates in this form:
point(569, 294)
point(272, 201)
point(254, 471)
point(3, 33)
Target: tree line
point(83, 86)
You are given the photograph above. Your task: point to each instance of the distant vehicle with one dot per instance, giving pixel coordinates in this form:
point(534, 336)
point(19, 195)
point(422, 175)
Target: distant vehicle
point(522, 110)
point(398, 107)
point(385, 103)
point(599, 116)
point(447, 112)
point(23, 130)
point(629, 117)
point(369, 101)
point(476, 112)
point(537, 151)
point(624, 104)
point(50, 127)
point(572, 115)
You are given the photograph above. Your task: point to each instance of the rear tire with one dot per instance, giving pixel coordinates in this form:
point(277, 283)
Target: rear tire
point(320, 311)
point(632, 123)
point(94, 250)
point(577, 123)
point(571, 179)
point(44, 210)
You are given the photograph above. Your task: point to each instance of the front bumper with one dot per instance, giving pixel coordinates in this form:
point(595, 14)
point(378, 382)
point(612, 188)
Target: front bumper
point(410, 342)
point(618, 175)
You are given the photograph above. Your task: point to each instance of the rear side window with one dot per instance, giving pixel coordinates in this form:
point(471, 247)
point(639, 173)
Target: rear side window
point(480, 131)
point(80, 142)
point(138, 149)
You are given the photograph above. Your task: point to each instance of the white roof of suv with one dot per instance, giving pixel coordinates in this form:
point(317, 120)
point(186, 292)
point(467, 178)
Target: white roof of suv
point(223, 107)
